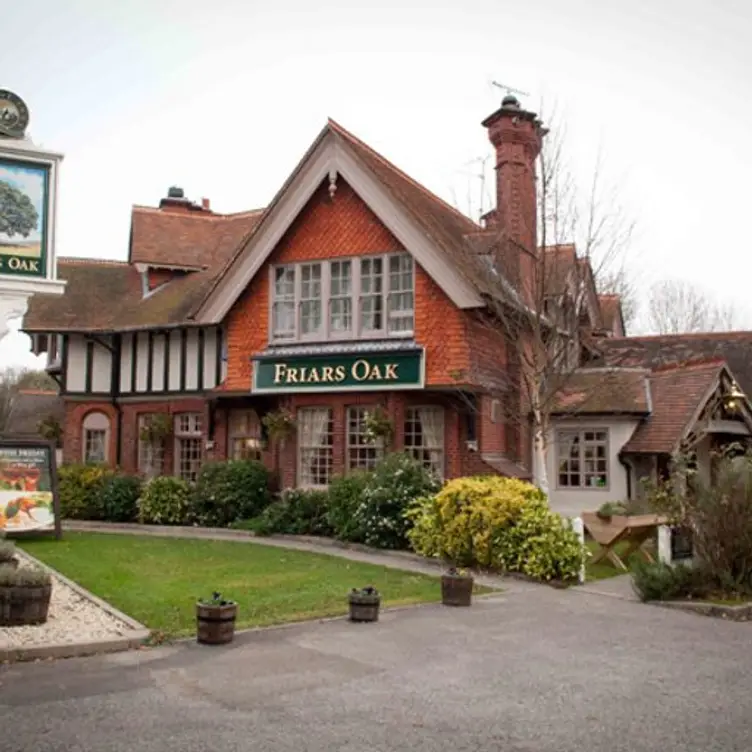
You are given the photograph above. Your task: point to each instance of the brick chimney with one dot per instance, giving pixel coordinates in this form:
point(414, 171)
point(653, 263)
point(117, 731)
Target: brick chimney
point(517, 136)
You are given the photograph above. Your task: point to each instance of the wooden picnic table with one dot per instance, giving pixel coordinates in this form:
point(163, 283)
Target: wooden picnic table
point(634, 530)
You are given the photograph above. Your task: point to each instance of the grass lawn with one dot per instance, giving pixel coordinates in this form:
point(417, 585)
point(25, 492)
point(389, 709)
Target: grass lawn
point(158, 580)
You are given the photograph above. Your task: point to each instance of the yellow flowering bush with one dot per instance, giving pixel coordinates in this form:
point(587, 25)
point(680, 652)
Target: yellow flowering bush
point(495, 523)
point(80, 489)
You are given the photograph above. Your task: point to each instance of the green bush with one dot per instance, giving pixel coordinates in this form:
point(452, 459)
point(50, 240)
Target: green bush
point(296, 512)
point(119, 498)
point(166, 501)
point(345, 494)
point(496, 523)
point(663, 582)
point(540, 544)
point(393, 486)
point(80, 490)
point(230, 491)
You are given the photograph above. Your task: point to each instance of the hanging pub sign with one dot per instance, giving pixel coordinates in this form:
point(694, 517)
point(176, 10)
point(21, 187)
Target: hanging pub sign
point(28, 181)
point(28, 487)
point(338, 372)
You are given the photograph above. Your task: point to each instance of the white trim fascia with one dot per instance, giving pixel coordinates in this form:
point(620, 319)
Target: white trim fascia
point(332, 156)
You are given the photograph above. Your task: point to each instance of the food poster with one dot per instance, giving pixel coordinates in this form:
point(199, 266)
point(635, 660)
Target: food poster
point(26, 489)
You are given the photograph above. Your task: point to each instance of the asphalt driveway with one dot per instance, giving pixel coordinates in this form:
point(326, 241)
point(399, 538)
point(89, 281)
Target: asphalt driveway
point(536, 670)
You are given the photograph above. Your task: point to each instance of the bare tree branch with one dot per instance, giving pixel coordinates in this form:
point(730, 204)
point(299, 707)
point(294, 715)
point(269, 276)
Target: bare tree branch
point(678, 307)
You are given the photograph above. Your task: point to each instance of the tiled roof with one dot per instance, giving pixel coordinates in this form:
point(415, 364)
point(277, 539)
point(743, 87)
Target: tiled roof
point(107, 296)
point(189, 240)
point(677, 393)
point(604, 391)
point(651, 352)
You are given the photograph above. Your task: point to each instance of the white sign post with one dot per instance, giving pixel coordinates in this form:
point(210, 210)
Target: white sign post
point(28, 213)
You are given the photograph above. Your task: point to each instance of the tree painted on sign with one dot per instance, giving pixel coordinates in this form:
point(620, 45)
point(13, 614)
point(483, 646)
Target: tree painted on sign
point(18, 216)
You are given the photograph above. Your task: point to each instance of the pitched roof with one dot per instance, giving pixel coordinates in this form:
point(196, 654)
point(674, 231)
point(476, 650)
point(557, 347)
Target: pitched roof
point(189, 240)
point(652, 352)
point(678, 392)
point(106, 296)
point(605, 391)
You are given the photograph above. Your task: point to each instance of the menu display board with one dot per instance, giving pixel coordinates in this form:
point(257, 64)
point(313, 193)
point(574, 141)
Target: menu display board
point(28, 487)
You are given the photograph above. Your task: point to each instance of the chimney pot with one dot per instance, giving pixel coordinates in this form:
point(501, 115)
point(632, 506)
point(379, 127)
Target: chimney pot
point(205, 204)
point(175, 192)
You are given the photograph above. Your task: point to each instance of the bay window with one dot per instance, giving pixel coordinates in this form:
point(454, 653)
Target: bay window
point(424, 437)
point(188, 440)
point(315, 447)
point(363, 451)
point(357, 298)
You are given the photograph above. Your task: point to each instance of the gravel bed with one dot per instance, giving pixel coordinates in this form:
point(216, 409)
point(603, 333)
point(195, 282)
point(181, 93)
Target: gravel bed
point(72, 619)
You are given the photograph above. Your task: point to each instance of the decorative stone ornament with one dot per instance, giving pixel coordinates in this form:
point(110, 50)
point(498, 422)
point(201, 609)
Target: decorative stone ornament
point(14, 115)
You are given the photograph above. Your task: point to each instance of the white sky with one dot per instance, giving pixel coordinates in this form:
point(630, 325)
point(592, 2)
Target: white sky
point(222, 98)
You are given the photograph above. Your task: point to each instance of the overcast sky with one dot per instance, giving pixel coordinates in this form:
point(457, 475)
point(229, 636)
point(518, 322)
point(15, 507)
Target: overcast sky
point(223, 98)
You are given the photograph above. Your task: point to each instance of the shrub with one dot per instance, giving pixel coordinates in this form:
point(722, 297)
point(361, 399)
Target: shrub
point(460, 522)
point(345, 494)
point(80, 490)
point(392, 487)
point(662, 582)
point(296, 512)
point(539, 543)
point(165, 501)
point(717, 515)
point(119, 498)
point(496, 523)
point(230, 491)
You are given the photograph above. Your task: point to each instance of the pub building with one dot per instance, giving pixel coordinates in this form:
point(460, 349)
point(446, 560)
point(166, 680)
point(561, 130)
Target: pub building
point(342, 295)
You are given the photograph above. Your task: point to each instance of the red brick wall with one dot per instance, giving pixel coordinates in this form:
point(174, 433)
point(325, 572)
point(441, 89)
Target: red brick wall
point(330, 229)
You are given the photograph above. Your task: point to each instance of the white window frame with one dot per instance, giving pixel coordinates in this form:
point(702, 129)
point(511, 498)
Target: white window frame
point(389, 314)
point(244, 434)
point(188, 428)
point(436, 452)
point(565, 435)
point(358, 442)
point(95, 423)
point(306, 445)
point(151, 455)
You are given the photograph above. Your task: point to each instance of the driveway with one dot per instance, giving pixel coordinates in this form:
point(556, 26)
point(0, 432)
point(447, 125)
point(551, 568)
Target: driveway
point(535, 670)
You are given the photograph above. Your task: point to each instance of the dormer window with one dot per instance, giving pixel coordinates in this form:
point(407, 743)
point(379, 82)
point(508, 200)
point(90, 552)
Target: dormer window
point(358, 298)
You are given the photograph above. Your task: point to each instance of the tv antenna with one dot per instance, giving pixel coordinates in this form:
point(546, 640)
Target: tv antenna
point(509, 89)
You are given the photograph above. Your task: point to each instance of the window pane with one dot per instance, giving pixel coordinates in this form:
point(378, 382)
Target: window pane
point(424, 437)
point(283, 302)
point(315, 440)
point(95, 445)
point(310, 298)
point(583, 458)
point(362, 452)
point(189, 458)
point(340, 304)
point(372, 294)
point(401, 301)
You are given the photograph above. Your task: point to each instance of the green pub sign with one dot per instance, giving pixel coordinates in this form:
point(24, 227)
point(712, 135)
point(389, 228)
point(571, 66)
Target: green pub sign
point(332, 373)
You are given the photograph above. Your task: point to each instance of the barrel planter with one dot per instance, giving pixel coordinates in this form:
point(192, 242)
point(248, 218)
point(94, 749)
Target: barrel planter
point(22, 605)
point(215, 621)
point(456, 588)
point(364, 604)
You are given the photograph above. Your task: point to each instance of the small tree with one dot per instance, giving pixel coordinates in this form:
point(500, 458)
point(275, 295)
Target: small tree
point(17, 213)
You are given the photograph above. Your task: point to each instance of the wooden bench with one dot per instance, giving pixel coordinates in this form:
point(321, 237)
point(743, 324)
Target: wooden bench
point(609, 532)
